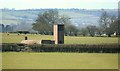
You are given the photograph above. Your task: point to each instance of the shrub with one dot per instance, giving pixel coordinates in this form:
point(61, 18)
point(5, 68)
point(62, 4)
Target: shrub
point(106, 48)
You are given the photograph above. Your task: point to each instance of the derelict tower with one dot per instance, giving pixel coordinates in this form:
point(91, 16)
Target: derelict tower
point(59, 33)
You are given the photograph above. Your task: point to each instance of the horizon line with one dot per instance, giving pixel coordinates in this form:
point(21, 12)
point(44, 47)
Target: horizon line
point(55, 8)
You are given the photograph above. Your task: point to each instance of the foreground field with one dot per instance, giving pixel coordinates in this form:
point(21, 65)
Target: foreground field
point(14, 38)
point(0, 61)
point(14, 60)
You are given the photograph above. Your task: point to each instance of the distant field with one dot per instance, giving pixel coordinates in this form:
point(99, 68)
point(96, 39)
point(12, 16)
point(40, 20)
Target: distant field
point(14, 38)
point(21, 60)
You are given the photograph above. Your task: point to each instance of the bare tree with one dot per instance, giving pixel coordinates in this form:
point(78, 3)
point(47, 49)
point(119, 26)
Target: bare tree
point(84, 31)
point(105, 21)
point(91, 30)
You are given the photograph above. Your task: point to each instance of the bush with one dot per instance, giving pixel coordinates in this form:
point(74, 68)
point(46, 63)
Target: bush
point(106, 48)
point(12, 47)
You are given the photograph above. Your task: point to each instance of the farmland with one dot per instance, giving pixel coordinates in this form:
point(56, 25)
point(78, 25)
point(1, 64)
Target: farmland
point(13, 60)
point(14, 38)
point(59, 60)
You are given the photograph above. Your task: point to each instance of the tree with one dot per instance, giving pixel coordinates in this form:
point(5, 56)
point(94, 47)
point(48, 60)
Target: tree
point(8, 28)
point(115, 27)
point(109, 31)
point(68, 26)
point(105, 21)
point(112, 26)
point(2, 28)
point(99, 30)
point(113, 18)
point(91, 30)
point(84, 31)
point(44, 22)
point(71, 30)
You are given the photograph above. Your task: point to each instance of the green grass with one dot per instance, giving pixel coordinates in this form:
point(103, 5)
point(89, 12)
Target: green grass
point(0, 61)
point(24, 60)
point(14, 38)
point(14, 60)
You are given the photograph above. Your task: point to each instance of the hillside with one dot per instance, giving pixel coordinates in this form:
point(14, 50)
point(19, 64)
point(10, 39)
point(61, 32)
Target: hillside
point(79, 17)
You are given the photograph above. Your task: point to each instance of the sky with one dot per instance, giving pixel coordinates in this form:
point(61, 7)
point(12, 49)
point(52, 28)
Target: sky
point(81, 4)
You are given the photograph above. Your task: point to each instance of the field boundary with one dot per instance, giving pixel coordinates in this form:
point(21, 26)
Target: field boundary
point(79, 48)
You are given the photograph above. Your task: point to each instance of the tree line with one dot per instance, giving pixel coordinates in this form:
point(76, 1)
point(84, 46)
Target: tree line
point(6, 28)
point(108, 25)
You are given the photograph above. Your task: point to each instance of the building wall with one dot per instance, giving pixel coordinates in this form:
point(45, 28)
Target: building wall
point(59, 33)
point(56, 34)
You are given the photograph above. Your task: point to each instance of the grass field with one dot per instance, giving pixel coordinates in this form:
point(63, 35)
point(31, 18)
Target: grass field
point(13, 60)
point(0, 61)
point(14, 38)
point(24, 60)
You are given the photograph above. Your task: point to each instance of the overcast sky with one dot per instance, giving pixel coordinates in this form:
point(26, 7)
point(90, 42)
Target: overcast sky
point(82, 4)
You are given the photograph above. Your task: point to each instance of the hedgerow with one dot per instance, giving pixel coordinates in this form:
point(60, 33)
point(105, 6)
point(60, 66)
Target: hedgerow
point(103, 48)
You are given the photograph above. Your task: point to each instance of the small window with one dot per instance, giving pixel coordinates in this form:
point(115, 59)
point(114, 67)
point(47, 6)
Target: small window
point(60, 28)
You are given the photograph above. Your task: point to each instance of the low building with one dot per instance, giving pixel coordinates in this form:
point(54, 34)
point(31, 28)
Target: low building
point(30, 42)
point(58, 37)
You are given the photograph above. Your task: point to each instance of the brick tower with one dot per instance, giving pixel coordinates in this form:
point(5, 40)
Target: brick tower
point(59, 33)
